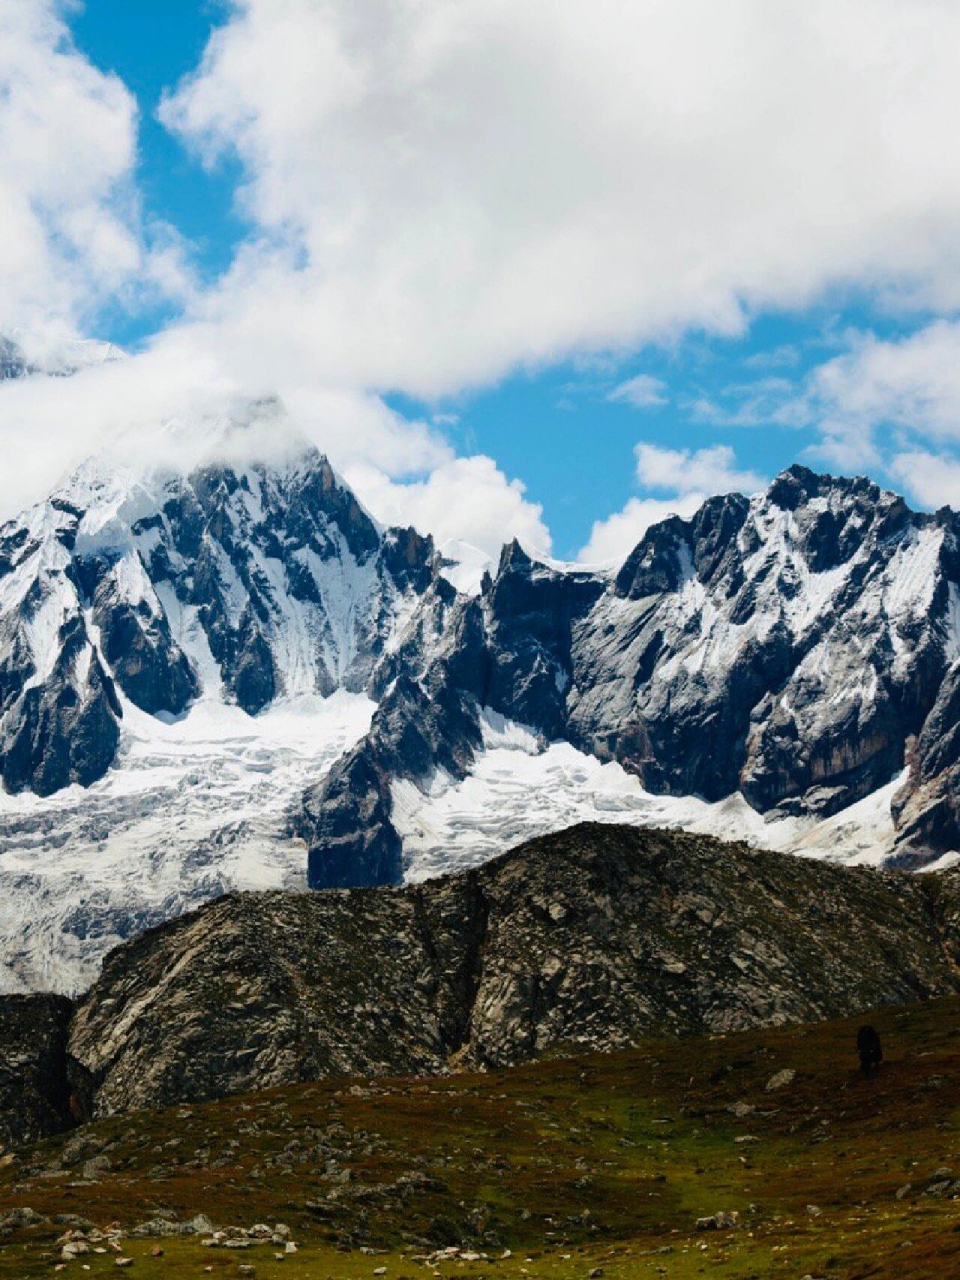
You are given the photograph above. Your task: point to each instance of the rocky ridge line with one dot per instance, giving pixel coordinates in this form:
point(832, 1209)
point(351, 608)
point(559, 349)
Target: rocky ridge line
point(588, 939)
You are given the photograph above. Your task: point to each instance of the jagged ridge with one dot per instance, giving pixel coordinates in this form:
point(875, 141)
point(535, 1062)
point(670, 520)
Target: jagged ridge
point(248, 583)
point(790, 648)
point(798, 649)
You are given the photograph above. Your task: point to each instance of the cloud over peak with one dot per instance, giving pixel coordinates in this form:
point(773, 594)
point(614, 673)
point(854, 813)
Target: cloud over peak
point(689, 476)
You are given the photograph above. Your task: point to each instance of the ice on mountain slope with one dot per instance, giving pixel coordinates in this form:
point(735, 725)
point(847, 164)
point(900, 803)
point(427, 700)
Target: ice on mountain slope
point(194, 809)
point(520, 788)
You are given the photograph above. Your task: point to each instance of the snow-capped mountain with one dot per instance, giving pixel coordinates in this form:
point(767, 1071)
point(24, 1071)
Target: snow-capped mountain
point(24, 356)
point(249, 584)
point(792, 659)
point(180, 656)
point(217, 676)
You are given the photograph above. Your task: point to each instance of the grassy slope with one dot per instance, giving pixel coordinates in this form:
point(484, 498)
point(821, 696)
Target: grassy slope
point(572, 1164)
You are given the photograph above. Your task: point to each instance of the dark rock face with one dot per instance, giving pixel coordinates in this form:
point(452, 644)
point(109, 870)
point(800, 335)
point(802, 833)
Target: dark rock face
point(13, 363)
point(137, 644)
point(345, 820)
point(592, 937)
point(928, 805)
point(347, 824)
point(42, 1089)
point(789, 648)
point(62, 731)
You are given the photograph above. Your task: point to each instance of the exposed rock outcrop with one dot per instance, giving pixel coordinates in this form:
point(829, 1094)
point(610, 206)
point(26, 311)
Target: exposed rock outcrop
point(589, 938)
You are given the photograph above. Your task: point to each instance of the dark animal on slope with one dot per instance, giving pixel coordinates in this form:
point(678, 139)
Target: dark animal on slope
point(869, 1049)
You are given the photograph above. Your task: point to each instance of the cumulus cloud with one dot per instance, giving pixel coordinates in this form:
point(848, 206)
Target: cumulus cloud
point(172, 405)
point(70, 229)
point(913, 382)
point(441, 192)
point(887, 405)
point(691, 476)
point(932, 479)
point(465, 499)
point(711, 470)
point(444, 192)
point(613, 539)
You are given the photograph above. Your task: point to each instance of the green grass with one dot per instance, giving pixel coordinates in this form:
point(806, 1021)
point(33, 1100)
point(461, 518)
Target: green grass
point(572, 1164)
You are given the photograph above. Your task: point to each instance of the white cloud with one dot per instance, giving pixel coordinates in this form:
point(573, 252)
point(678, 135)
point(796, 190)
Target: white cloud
point(783, 357)
point(762, 402)
point(174, 405)
point(913, 382)
point(931, 479)
point(445, 191)
point(712, 470)
point(690, 475)
point(70, 233)
point(469, 499)
point(613, 539)
point(48, 425)
point(884, 401)
point(643, 392)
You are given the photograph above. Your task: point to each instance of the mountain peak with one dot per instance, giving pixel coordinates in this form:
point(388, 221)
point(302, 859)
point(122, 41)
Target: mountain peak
point(24, 355)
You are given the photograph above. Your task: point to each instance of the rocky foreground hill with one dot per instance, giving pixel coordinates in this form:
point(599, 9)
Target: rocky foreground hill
point(759, 1154)
point(588, 939)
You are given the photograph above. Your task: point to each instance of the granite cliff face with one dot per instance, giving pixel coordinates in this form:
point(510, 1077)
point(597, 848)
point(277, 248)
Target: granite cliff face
point(589, 938)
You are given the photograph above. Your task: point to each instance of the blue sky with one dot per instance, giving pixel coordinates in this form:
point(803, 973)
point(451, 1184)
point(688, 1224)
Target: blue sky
point(631, 262)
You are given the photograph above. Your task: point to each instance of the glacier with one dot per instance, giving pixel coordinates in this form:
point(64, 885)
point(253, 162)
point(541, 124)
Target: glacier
point(193, 809)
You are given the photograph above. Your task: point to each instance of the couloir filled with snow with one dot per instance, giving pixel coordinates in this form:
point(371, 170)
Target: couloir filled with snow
point(193, 809)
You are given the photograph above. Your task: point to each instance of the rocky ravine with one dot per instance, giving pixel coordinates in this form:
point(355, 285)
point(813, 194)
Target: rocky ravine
point(590, 938)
